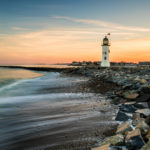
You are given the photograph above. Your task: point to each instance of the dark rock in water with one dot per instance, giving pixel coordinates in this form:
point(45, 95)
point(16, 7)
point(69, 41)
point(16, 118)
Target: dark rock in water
point(134, 140)
point(128, 108)
point(121, 116)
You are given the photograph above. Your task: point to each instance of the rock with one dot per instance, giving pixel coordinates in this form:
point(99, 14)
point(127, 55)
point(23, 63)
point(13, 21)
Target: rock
point(123, 128)
point(147, 120)
point(141, 105)
point(146, 146)
point(137, 78)
point(117, 148)
point(129, 103)
point(142, 126)
point(148, 134)
point(103, 147)
point(137, 119)
point(143, 81)
point(145, 89)
point(143, 98)
point(116, 140)
point(134, 140)
point(116, 100)
point(128, 108)
point(130, 95)
point(136, 116)
point(121, 116)
point(118, 92)
point(145, 112)
point(122, 101)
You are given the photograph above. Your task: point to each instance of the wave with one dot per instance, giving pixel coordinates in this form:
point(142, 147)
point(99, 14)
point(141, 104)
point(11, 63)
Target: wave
point(9, 83)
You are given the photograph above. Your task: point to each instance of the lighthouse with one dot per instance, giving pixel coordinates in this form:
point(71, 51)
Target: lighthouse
point(105, 52)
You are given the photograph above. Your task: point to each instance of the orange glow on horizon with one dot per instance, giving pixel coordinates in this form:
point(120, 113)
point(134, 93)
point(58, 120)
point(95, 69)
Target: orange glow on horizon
point(49, 47)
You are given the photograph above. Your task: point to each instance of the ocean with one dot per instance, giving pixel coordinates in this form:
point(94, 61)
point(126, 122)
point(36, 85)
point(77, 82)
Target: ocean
point(47, 111)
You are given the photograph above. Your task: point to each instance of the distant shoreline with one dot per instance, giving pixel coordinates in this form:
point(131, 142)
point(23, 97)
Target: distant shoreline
point(48, 69)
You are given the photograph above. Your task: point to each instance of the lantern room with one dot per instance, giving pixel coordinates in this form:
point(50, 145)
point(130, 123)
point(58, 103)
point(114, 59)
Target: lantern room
point(105, 42)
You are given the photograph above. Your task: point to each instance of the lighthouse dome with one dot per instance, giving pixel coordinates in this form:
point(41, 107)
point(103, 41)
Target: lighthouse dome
point(105, 41)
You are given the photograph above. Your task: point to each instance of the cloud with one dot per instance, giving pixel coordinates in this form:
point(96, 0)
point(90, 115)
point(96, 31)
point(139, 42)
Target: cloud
point(104, 24)
point(20, 28)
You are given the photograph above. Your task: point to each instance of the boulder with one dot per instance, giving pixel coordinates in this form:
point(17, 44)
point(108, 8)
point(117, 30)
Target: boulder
point(146, 146)
point(145, 89)
point(130, 103)
point(124, 128)
point(147, 120)
point(103, 147)
point(116, 140)
point(118, 92)
point(117, 148)
point(145, 111)
point(121, 116)
point(143, 81)
point(142, 126)
point(136, 116)
point(129, 108)
point(141, 105)
point(130, 95)
point(137, 120)
point(143, 98)
point(134, 140)
point(148, 134)
point(137, 78)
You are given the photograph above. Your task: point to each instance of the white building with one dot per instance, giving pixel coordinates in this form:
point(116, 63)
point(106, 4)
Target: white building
point(105, 52)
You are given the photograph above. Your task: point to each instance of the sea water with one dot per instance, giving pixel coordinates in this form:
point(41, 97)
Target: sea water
point(39, 111)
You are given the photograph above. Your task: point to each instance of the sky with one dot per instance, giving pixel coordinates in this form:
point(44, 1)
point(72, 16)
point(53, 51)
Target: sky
point(62, 31)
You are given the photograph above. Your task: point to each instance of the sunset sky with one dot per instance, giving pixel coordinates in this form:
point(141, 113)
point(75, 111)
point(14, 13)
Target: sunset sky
point(59, 31)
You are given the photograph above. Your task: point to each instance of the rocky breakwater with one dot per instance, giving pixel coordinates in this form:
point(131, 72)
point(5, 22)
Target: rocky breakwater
point(133, 100)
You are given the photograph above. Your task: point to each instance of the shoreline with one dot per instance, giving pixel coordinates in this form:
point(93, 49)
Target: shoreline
point(72, 120)
point(129, 89)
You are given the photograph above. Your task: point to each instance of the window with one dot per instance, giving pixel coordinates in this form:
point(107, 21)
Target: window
point(105, 58)
point(105, 53)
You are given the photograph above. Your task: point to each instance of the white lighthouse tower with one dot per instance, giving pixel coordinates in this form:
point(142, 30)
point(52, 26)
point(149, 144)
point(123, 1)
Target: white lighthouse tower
point(105, 52)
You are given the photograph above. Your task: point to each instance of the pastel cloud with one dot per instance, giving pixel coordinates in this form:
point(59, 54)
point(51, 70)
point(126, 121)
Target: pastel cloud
point(104, 24)
point(20, 28)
